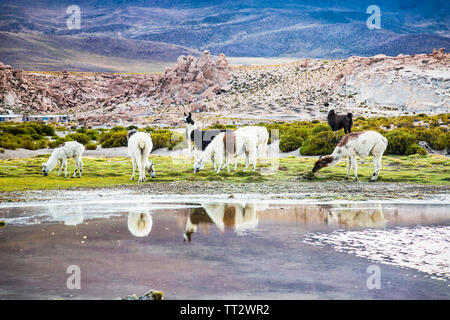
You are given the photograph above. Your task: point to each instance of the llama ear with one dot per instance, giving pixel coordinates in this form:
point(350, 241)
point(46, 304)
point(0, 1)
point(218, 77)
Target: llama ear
point(184, 113)
point(190, 114)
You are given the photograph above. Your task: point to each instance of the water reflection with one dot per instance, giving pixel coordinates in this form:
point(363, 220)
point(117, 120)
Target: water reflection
point(71, 216)
point(357, 217)
point(239, 217)
point(139, 224)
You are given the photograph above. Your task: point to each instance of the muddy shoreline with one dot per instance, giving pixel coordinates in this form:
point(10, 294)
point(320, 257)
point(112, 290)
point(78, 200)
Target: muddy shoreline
point(293, 189)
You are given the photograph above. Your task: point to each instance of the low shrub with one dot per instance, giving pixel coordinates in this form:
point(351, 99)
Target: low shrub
point(91, 146)
point(399, 140)
point(322, 143)
point(78, 137)
point(415, 149)
point(291, 139)
point(113, 139)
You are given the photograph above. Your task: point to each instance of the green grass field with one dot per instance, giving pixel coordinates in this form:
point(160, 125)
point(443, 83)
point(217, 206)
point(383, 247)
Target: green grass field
point(25, 174)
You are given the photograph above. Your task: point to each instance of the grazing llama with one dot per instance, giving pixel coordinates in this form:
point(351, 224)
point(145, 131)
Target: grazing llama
point(139, 147)
point(199, 139)
point(338, 121)
point(216, 149)
point(356, 144)
point(71, 149)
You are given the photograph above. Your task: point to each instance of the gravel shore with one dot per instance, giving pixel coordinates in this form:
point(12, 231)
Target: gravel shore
point(294, 189)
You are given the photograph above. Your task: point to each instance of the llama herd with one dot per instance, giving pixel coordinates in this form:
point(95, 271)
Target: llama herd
point(224, 146)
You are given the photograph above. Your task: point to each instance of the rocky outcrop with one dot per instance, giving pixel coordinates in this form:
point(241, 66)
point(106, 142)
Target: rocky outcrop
point(193, 79)
point(417, 83)
point(114, 98)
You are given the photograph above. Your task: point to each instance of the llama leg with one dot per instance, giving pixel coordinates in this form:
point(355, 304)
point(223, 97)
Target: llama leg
point(235, 164)
point(133, 163)
point(80, 167)
point(143, 163)
point(65, 168)
point(220, 160)
point(60, 167)
point(349, 166)
point(377, 168)
point(214, 163)
point(189, 146)
point(139, 165)
point(355, 167)
point(246, 161)
point(76, 168)
point(253, 155)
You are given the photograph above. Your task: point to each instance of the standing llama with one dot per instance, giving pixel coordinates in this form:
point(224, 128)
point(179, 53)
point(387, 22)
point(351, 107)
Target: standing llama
point(238, 143)
point(139, 147)
point(262, 135)
point(339, 121)
point(71, 149)
point(356, 144)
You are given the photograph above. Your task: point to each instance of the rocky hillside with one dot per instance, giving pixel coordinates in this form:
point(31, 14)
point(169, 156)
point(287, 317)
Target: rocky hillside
point(378, 85)
point(100, 98)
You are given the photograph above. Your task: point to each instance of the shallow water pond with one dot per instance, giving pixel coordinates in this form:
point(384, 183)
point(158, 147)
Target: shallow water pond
point(228, 249)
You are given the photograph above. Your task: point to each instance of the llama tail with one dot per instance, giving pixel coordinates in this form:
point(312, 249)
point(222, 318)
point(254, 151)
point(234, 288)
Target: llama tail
point(141, 146)
point(350, 115)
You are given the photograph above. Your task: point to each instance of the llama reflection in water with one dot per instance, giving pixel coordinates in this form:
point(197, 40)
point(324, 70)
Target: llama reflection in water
point(240, 217)
point(71, 215)
point(357, 217)
point(140, 224)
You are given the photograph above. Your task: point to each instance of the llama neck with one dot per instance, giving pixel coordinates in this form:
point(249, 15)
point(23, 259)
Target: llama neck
point(190, 127)
point(52, 162)
point(207, 153)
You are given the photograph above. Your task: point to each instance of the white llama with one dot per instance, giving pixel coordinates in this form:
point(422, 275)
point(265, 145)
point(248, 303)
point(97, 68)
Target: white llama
point(215, 151)
point(356, 144)
point(262, 135)
point(71, 149)
point(139, 147)
point(238, 143)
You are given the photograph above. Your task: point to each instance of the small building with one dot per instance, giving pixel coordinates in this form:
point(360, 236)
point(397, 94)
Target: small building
point(48, 118)
point(11, 117)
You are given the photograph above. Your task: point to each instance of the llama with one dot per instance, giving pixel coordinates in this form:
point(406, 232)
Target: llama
point(356, 144)
point(139, 147)
point(338, 121)
point(215, 149)
point(238, 143)
point(71, 149)
point(199, 139)
point(190, 126)
point(263, 138)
